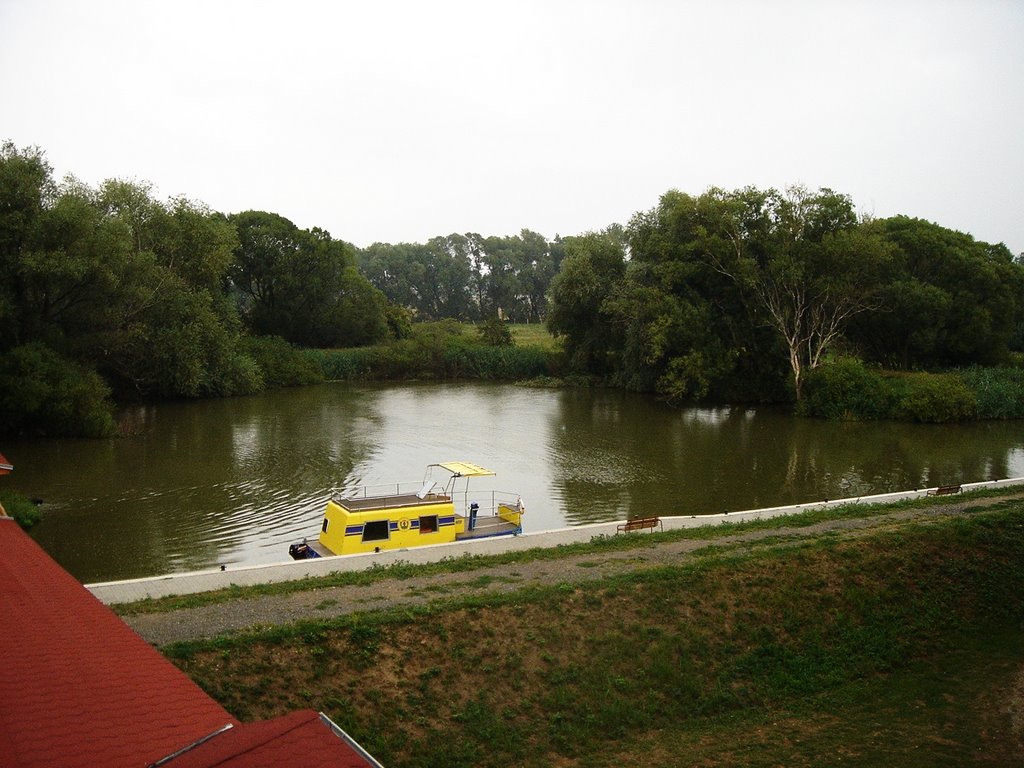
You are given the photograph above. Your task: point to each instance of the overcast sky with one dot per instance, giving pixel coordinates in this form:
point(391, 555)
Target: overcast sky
point(397, 121)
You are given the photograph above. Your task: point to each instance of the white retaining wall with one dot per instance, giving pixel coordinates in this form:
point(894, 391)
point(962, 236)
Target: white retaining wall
point(204, 581)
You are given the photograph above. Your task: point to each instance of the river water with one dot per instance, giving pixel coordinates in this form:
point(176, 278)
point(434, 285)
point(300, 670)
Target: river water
point(234, 481)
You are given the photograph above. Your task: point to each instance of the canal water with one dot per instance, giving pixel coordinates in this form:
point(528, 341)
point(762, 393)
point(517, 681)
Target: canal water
point(234, 481)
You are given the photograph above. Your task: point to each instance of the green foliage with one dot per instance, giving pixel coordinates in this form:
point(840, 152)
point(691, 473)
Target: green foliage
point(24, 511)
point(949, 300)
point(495, 333)
point(353, 364)
point(44, 393)
point(302, 285)
point(729, 295)
point(399, 321)
point(504, 363)
point(932, 397)
point(435, 351)
point(999, 392)
point(280, 364)
point(181, 348)
point(594, 265)
point(845, 389)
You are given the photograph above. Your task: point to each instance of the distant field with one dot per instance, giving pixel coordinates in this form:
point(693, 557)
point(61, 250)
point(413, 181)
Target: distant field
point(533, 335)
point(527, 335)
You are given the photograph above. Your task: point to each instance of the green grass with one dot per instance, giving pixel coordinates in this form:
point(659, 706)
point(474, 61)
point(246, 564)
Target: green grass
point(891, 647)
point(534, 335)
point(22, 510)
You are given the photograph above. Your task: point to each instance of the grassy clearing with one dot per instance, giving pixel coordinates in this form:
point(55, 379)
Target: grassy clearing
point(534, 335)
point(895, 647)
point(468, 563)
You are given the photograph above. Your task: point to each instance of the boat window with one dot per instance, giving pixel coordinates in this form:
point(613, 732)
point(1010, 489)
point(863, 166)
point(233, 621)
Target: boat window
point(428, 524)
point(375, 531)
point(324, 528)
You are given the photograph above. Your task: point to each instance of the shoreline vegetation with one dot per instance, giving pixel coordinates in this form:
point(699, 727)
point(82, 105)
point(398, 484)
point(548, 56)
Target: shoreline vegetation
point(895, 641)
point(110, 295)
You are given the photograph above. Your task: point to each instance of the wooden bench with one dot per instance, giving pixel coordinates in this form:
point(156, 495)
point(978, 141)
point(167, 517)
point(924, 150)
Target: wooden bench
point(639, 524)
point(945, 490)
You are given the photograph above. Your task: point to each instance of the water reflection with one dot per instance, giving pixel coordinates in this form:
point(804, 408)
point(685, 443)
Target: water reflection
point(234, 481)
point(705, 460)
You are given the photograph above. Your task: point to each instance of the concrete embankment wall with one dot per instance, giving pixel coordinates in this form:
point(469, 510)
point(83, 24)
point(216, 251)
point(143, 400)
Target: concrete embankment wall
point(204, 581)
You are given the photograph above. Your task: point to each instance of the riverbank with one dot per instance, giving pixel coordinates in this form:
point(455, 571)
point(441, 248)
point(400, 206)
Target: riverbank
point(890, 637)
point(236, 610)
point(134, 590)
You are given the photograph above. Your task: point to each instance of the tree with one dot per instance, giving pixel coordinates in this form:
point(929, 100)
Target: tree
point(803, 260)
point(594, 264)
point(301, 285)
point(951, 300)
point(117, 282)
point(495, 333)
point(690, 332)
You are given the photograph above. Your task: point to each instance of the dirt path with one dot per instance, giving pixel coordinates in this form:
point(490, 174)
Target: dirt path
point(236, 615)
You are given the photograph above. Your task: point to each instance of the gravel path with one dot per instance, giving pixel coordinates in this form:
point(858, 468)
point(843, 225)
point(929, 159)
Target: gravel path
point(242, 614)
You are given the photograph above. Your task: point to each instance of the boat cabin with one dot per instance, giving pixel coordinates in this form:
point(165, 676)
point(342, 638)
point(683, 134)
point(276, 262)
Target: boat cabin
point(435, 511)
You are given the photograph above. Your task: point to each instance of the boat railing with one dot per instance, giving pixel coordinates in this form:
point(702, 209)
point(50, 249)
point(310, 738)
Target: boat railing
point(388, 496)
point(507, 506)
point(379, 491)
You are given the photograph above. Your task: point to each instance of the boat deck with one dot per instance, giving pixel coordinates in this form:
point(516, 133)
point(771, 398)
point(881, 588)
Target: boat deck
point(320, 549)
point(388, 502)
point(488, 526)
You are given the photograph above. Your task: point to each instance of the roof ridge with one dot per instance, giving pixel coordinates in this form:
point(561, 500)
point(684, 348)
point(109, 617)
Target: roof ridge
point(189, 747)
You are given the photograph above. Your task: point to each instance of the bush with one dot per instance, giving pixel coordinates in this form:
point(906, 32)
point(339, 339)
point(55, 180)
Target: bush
point(473, 360)
point(845, 389)
point(436, 351)
point(933, 398)
point(44, 393)
point(496, 333)
point(282, 365)
point(998, 391)
point(24, 512)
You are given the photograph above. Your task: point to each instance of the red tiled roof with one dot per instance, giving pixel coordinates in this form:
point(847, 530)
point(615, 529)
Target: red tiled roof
point(299, 738)
point(79, 688)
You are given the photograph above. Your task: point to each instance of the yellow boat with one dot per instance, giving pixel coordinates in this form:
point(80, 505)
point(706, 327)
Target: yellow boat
point(413, 515)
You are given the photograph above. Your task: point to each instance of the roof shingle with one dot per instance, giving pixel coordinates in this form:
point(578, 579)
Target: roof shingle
point(79, 688)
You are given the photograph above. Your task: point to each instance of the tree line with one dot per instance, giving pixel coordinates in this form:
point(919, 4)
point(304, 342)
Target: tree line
point(731, 296)
point(109, 292)
point(467, 277)
point(743, 295)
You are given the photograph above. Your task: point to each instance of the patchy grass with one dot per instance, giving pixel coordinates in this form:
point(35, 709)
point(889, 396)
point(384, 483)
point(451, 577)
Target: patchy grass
point(894, 647)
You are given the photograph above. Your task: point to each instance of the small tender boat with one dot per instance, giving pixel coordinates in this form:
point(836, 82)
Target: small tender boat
point(401, 516)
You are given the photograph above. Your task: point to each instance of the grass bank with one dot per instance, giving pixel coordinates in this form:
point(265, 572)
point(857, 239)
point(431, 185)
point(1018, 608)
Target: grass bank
point(598, 544)
point(897, 646)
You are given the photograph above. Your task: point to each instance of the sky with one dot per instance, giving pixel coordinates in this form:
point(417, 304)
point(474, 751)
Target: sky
point(395, 121)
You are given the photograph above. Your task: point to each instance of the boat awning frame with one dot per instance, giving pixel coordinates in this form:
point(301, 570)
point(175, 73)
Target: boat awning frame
point(463, 469)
